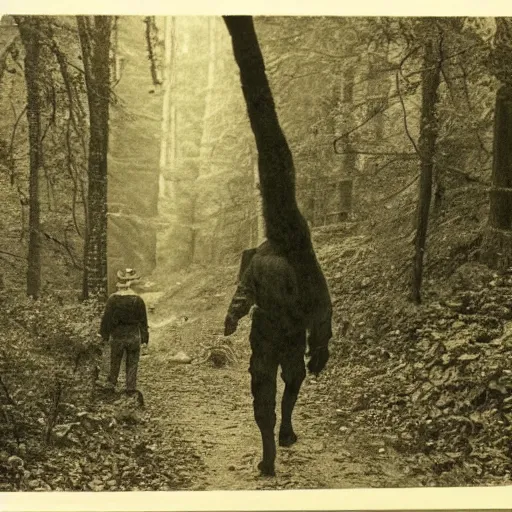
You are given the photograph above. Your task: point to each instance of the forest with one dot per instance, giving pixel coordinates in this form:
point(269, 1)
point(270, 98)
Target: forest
point(125, 142)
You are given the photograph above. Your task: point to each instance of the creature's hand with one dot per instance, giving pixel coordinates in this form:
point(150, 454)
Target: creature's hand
point(230, 325)
point(319, 358)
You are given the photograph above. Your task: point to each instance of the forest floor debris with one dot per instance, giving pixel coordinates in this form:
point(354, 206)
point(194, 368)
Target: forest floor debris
point(83, 437)
point(433, 379)
point(212, 405)
point(412, 395)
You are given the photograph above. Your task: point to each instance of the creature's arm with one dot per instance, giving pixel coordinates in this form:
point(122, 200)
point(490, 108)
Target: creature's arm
point(106, 320)
point(318, 342)
point(242, 301)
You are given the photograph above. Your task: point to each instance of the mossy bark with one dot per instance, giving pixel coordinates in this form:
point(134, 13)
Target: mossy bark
point(427, 145)
point(30, 32)
point(95, 43)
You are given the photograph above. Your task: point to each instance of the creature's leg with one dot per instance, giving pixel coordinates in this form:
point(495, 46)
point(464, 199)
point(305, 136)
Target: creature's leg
point(132, 364)
point(116, 356)
point(263, 369)
point(293, 375)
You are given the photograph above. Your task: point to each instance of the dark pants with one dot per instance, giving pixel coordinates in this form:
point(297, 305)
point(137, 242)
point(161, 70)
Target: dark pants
point(118, 346)
point(272, 347)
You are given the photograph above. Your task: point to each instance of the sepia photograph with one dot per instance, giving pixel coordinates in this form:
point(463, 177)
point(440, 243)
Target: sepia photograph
point(255, 252)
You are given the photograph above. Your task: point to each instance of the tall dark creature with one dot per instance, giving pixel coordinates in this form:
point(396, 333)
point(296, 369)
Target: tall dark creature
point(282, 279)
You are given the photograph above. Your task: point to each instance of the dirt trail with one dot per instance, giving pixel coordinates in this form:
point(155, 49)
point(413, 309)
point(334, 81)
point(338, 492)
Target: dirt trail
point(213, 410)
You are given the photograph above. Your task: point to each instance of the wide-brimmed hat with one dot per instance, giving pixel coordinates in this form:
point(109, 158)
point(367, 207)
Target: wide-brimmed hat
point(129, 274)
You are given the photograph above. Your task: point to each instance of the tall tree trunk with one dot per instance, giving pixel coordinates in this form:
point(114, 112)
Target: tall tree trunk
point(167, 186)
point(497, 240)
point(427, 143)
point(347, 98)
point(95, 43)
point(378, 91)
point(167, 145)
point(285, 226)
point(205, 141)
point(30, 32)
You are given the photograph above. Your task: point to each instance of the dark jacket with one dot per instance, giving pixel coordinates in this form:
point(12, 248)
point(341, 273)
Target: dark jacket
point(125, 315)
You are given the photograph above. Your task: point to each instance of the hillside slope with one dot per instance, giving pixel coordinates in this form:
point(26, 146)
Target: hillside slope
point(412, 395)
point(429, 384)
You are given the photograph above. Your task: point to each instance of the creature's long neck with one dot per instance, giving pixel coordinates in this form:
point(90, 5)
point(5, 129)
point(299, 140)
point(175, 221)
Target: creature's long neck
point(285, 226)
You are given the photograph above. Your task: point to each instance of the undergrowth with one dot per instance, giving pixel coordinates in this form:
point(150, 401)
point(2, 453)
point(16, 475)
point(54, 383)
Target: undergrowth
point(48, 359)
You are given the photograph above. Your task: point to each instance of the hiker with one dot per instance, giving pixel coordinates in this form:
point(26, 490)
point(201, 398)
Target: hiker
point(125, 323)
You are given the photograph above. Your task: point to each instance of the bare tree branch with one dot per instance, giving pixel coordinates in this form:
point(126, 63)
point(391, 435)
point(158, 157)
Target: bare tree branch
point(383, 108)
point(404, 60)
point(403, 189)
point(404, 110)
point(379, 153)
point(6, 51)
point(11, 145)
point(63, 245)
point(150, 25)
point(7, 253)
